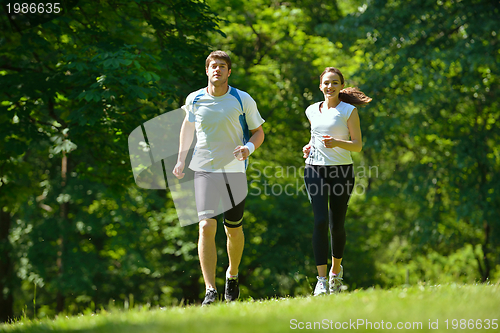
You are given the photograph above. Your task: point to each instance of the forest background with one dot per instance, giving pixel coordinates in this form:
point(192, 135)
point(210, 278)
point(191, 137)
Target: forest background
point(77, 233)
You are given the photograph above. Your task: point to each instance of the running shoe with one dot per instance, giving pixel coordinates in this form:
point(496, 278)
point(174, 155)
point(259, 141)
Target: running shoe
point(210, 297)
point(320, 287)
point(232, 289)
point(336, 281)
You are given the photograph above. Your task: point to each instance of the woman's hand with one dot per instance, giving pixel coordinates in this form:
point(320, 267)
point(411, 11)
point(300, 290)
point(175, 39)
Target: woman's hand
point(306, 150)
point(329, 141)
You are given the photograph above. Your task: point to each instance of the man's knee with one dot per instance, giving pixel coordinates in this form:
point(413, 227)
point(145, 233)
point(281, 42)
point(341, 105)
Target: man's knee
point(208, 227)
point(233, 224)
point(234, 232)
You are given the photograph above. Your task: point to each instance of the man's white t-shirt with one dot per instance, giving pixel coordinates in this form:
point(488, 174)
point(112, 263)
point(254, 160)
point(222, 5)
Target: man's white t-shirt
point(331, 122)
point(222, 124)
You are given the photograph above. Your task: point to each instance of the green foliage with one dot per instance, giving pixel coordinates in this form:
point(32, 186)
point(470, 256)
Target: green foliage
point(428, 66)
point(277, 58)
point(71, 91)
point(73, 88)
point(432, 268)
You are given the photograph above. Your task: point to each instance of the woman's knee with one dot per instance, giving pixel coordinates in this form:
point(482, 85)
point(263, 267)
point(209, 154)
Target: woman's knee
point(321, 222)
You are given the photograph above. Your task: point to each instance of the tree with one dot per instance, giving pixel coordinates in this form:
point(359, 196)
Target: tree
point(431, 66)
point(277, 57)
point(72, 89)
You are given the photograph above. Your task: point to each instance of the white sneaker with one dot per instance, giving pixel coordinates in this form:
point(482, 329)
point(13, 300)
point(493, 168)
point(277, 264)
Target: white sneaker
point(320, 287)
point(336, 281)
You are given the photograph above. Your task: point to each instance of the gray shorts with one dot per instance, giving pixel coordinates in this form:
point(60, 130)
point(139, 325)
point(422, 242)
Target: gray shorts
point(221, 193)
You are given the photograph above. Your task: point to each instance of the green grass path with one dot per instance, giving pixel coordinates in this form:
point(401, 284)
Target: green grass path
point(449, 308)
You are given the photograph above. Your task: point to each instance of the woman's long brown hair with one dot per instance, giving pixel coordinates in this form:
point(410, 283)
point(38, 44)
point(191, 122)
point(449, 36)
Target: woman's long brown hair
point(349, 95)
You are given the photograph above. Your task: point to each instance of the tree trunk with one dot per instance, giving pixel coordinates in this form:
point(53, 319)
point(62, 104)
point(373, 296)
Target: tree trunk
point(6, 299)
point(63, 214)
point(486, 271)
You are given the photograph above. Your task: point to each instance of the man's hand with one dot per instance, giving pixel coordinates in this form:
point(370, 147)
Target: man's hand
point(179, 167)
point(241, 153)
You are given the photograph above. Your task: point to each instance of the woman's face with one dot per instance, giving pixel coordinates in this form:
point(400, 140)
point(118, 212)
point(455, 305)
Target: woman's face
point(331, 85)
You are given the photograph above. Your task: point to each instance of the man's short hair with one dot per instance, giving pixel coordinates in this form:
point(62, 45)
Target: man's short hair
point(218, 55)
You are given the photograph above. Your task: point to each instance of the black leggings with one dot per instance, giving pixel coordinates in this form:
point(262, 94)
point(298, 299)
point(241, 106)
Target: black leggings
point(329, 184)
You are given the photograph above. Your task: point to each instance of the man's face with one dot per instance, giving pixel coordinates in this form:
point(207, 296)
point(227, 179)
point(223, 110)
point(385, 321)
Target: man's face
point(218, 72)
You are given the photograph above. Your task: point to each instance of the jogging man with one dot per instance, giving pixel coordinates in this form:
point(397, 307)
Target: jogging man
point(221, 116)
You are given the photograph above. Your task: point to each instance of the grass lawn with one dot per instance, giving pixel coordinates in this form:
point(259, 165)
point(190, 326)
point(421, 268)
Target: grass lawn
point(453, 307)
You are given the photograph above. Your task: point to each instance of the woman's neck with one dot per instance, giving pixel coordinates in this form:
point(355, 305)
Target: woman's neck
point(331, 102)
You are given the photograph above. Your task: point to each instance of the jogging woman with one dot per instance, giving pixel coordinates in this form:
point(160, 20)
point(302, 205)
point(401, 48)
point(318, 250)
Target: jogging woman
point(329, 173)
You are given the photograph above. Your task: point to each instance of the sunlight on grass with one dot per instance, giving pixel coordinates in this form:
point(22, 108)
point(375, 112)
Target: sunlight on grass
point(416, 308)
